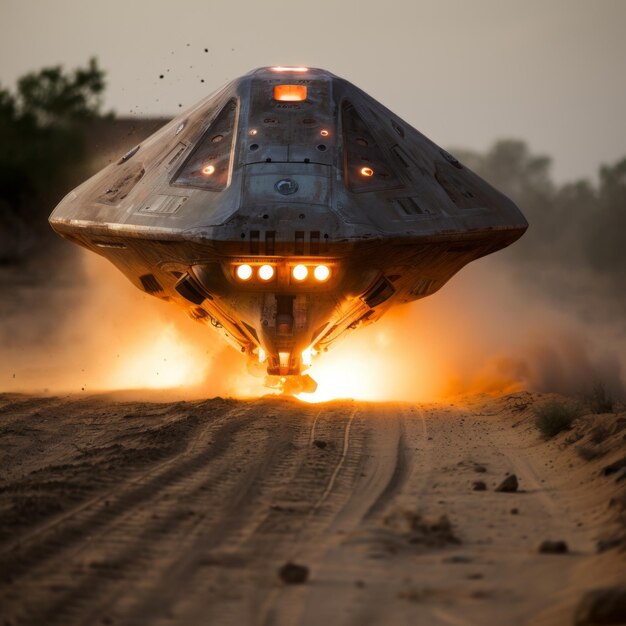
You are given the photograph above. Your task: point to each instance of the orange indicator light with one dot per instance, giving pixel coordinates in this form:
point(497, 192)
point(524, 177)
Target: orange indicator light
point(208, 170)
point(367, 171)
point(290, 93)
point(324, 133)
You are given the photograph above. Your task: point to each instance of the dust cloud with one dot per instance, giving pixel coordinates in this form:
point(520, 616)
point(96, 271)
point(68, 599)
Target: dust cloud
point(546, 314)
point(90, 330)
point(482, 332)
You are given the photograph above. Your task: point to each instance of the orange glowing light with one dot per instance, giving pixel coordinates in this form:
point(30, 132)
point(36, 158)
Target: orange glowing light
point(244, 272)
point(266, 272)
point(253, 132)
point(321, 273)
point(361, 367)
point(367, 171)
point(324, 133)
point(283, 68)
point(290, 93)
point(300, 272)
point(208, 170)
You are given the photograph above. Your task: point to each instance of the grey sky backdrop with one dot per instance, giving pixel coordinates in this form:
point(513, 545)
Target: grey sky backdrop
point(552, 72)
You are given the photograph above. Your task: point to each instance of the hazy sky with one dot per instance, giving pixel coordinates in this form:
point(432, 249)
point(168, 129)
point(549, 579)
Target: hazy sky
point(552, 72)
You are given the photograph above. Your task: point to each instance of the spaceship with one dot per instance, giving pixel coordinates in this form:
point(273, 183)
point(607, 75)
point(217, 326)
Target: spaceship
point(286, 210)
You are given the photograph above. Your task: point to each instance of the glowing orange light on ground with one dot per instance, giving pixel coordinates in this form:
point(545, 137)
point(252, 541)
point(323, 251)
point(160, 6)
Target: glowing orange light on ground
point(290, 93)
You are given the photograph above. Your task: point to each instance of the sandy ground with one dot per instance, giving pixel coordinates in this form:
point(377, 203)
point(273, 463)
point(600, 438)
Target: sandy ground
point(128, 512)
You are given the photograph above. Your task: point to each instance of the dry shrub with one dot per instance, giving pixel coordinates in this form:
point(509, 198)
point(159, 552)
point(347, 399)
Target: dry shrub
point(598, 400)
point(553, 417)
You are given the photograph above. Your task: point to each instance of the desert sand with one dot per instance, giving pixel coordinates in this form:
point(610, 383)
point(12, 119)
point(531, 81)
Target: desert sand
point(274, 511)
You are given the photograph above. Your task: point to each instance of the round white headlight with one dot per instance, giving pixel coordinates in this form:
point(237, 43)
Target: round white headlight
point(244, 272)
point(300, 272)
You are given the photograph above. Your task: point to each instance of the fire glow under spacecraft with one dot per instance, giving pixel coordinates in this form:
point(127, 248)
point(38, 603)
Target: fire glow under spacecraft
point(285, 209)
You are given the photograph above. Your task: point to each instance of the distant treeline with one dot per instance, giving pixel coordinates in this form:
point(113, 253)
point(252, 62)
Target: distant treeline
point(574, 246)
point(53, 135)
point(42, 148)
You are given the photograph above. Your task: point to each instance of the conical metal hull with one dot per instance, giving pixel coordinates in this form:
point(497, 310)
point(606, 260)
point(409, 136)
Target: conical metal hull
point(288, 168)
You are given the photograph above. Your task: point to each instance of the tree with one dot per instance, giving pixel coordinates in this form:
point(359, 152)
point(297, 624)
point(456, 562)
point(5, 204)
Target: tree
point(604, 243)
point(41, 145)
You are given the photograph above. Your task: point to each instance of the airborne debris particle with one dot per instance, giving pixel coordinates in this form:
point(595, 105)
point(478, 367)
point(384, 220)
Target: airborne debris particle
point(293, 574)
point(161, 75)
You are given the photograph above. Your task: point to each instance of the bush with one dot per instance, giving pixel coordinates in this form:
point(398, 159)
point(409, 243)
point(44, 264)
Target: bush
point(598, 399)
point(553, 417)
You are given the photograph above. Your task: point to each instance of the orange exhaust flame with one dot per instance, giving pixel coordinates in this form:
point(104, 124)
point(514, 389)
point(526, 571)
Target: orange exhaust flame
point(466, 338)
